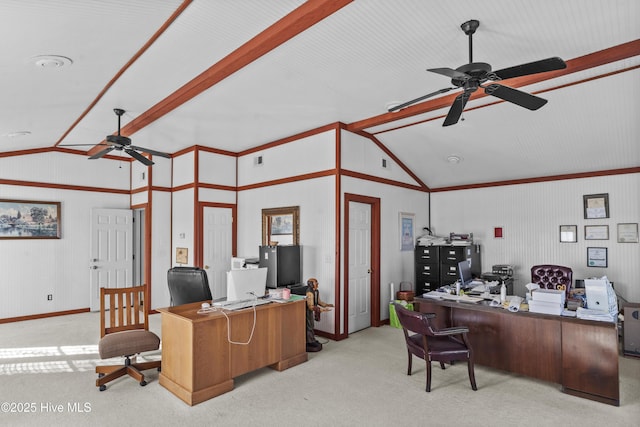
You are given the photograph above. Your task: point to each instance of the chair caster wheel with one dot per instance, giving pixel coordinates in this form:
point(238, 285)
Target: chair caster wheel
point(143, 383)
point(159, 369)
point(103, 387)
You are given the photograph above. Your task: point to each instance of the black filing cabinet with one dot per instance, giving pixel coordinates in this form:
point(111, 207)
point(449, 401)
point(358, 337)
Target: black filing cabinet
point(427, 268)
point(450, 256)
point(438, 265)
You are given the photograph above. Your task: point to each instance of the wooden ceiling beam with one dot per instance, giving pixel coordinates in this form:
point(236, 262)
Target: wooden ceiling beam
point(308, 14)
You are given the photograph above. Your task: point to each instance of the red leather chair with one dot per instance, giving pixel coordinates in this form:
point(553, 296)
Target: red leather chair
point(552, 277)
point(443, 345)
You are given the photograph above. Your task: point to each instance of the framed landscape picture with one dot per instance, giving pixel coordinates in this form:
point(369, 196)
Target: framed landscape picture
point(25, 219)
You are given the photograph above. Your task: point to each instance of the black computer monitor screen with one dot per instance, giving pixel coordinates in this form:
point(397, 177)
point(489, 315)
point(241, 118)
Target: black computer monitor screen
point(464, 271)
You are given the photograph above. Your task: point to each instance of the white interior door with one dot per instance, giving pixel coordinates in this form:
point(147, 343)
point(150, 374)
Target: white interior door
point(111, 262)
point(359, 266)
point(217, 247)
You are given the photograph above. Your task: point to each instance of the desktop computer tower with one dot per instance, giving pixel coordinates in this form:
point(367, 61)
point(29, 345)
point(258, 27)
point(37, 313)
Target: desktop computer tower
point(631, 330)
point(284, 265)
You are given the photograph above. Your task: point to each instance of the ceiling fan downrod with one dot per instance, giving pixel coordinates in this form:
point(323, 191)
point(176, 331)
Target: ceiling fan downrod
point(469, 28)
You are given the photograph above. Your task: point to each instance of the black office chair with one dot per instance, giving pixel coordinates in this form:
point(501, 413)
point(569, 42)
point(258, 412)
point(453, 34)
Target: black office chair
point(188, 284)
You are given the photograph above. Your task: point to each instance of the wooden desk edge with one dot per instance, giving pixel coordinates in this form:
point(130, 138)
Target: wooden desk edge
point(193, 398)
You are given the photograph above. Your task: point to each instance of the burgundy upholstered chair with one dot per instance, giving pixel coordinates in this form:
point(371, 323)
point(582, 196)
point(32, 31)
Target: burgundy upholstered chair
point(443, 345)
point(552, 277)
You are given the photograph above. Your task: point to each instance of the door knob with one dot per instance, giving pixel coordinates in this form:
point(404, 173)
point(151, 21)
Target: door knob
point(206, 267)
point(369, 270)
point(93, 267)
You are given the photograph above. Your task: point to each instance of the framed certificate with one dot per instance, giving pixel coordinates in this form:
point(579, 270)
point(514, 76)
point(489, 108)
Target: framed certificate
point(596, 206)
point(628, 233)
point(568, 233)
point(596, 232)
point(597, 257)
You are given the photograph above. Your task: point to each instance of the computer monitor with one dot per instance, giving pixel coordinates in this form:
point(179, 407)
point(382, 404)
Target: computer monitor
point(246, 283)
point(464, 272)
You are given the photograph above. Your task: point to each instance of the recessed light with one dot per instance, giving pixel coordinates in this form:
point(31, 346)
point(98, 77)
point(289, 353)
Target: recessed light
point(454, 159)
point(51, 61)
point(18, 133)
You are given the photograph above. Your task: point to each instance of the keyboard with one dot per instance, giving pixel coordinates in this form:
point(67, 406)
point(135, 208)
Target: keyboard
point(239, 305)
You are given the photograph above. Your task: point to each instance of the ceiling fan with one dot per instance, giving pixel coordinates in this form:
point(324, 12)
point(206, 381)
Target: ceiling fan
point(122, 143)
point(473, 75)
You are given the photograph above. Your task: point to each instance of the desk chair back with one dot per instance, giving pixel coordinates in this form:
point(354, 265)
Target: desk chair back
point(550, 276)
point(124, 332)
point(440, 345)
point(188, 284)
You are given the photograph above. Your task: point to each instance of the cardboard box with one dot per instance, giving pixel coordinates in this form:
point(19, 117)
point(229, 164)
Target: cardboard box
point(549, 295)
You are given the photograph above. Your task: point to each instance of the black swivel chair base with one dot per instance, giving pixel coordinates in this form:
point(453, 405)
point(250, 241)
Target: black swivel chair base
point(111, 372)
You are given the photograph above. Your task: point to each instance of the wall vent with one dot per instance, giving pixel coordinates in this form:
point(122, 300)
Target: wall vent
point(258, 161)
point(384, 164)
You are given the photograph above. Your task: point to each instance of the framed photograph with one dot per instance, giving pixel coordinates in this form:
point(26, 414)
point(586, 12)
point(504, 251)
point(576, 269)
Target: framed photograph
point(25, 219)
point(596, 232)
point(596, 206)
point(281, 224)
point(406, 231)
point(568, 233)
point(182, 255)
point(628, 233)
point(596, 257)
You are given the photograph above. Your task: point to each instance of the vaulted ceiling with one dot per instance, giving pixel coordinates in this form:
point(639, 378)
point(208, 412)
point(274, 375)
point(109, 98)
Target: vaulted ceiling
point(234, 75)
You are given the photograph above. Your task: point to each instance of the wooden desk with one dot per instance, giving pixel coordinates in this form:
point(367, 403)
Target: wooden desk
point(199, 363)
point(581, 355)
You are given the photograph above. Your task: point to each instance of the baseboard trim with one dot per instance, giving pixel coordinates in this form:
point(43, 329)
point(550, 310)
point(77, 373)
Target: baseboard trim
point(43, 315)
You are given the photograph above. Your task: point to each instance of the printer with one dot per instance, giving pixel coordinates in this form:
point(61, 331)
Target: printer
point(501, 273)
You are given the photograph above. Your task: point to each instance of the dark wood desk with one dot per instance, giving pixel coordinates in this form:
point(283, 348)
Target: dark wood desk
point(581, 355)
point(199, 363)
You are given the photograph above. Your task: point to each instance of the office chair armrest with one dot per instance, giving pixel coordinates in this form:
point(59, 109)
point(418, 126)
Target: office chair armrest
point(455, 330)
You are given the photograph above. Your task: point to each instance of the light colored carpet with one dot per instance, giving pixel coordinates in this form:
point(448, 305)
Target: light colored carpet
point(47, 368)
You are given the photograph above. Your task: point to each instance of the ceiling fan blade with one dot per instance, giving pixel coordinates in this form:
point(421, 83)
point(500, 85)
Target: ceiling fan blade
point(515, 96)
point(102, 153)
point(413, 101)
point(139, 157)
point(549, 64)
point(456, 109)
point(449, 72)
point(153, 152)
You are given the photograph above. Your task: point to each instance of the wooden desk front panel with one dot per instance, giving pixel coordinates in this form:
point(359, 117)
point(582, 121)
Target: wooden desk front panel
point(198, 361)
point(525, 345)
point(264, 348)
point(590, 362)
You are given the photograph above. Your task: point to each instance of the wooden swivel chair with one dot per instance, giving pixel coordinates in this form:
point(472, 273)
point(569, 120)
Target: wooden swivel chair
point(125, 334)
point(188, 284)
point(444, 345)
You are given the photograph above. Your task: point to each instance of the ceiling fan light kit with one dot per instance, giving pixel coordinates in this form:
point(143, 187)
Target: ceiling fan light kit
point(471, 76)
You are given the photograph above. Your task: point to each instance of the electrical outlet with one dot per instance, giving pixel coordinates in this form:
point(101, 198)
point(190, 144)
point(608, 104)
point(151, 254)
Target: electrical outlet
point(50, 297)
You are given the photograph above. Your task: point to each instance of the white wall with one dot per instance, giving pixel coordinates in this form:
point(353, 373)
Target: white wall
point(531, 215)
point(31, 269)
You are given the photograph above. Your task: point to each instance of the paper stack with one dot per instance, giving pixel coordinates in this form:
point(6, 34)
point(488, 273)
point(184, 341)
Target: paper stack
point(547, 301)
